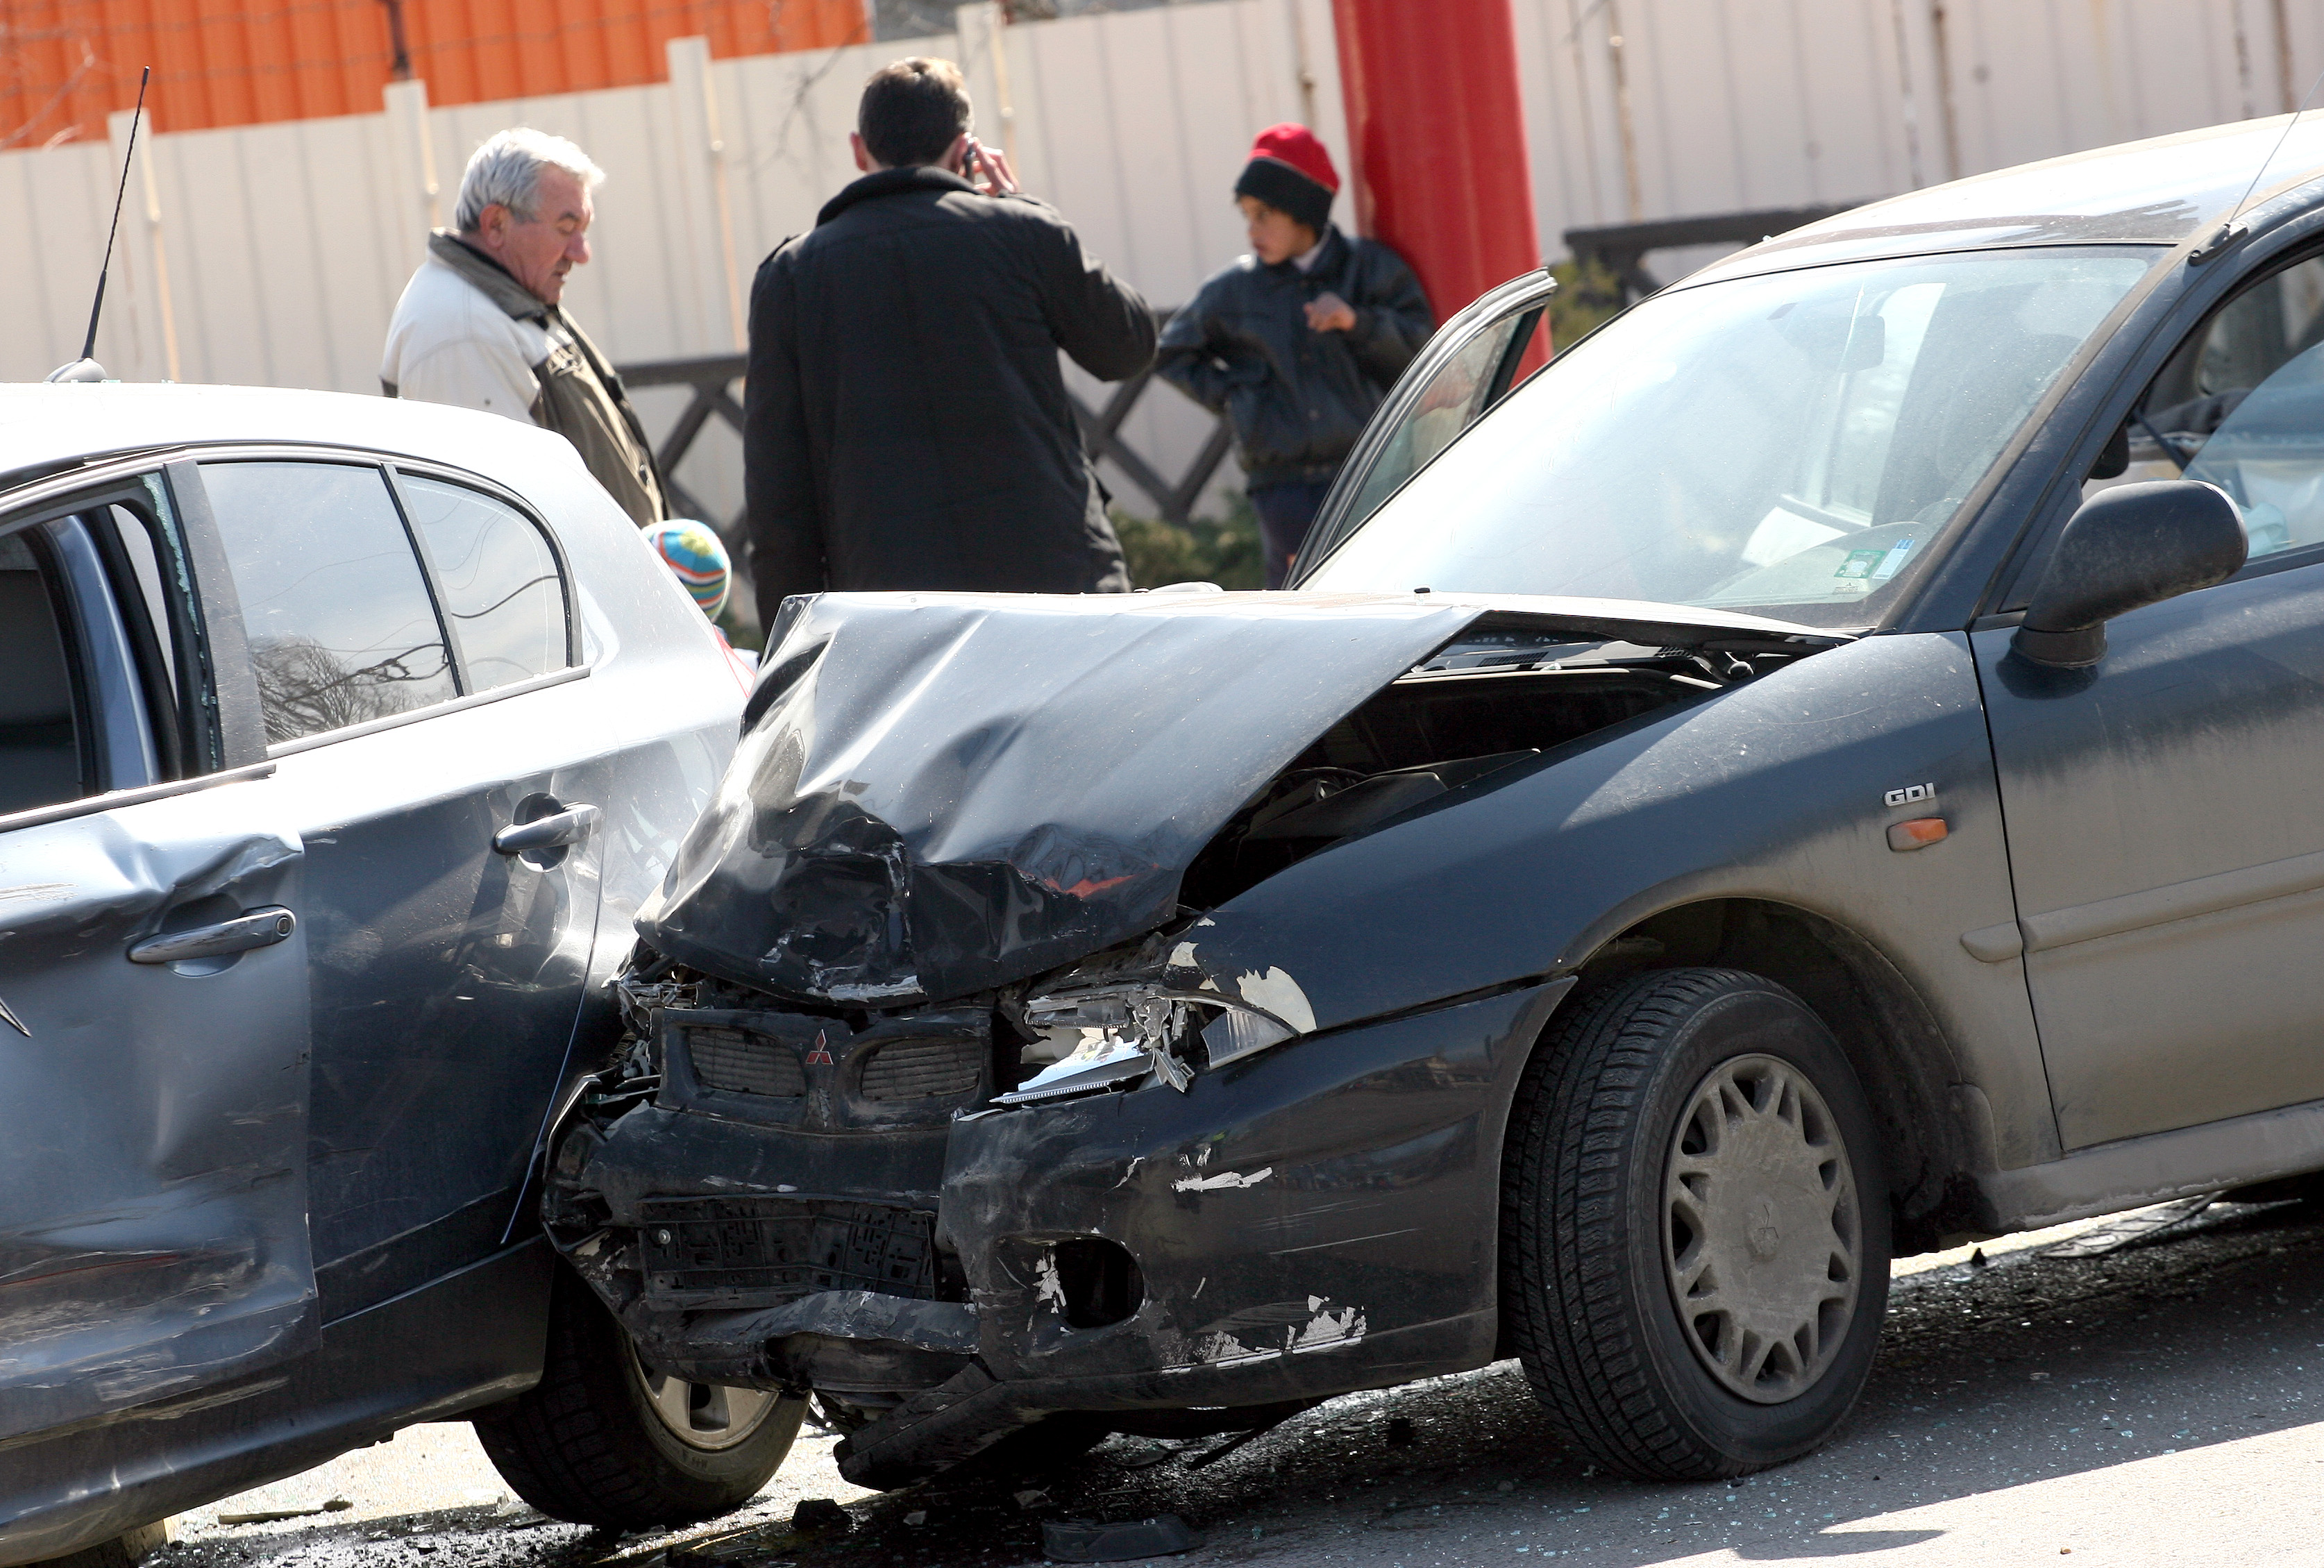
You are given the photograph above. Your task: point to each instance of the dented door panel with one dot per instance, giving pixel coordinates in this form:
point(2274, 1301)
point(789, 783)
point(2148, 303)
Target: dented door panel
point(448, 978)
point(152, 1184)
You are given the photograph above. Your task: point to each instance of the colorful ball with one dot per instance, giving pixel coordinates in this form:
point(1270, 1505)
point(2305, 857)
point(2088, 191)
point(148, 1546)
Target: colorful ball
point(694, 555)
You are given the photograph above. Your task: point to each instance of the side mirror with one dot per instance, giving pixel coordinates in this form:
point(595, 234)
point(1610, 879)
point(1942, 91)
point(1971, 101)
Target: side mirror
point(2126, 547)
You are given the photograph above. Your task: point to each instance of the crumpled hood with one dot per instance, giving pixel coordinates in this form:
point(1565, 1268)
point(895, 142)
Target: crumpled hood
point(942, 793)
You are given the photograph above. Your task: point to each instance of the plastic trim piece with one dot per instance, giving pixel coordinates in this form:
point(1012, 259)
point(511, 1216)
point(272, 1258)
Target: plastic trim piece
point(116, 798)
point(457, 704)
point(2280, 879)
point(2127, 1174)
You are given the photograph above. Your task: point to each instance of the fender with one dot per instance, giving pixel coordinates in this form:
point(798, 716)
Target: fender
point(1773, 792)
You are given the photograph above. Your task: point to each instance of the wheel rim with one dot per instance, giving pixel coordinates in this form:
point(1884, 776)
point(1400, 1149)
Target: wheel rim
point(1762, 1238)
point(704, 1415)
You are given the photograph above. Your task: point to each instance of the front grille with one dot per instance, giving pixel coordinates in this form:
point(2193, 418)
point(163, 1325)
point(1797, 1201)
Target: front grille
point(744, 1063)
point(782, 1248)
point(923, 1069)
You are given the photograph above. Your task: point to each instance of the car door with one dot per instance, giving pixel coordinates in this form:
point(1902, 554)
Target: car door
point(153, 1066)
point(2166, 839)
point(1466, 368)
point(412, 638)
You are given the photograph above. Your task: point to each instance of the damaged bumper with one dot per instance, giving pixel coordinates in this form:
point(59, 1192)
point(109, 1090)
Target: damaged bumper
point(1302, 1221)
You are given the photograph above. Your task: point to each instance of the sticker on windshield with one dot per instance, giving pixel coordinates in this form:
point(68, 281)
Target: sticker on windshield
point(1894, 561)
point(1866, 566)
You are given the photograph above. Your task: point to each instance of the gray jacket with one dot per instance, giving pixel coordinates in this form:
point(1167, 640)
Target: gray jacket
point(467, 332)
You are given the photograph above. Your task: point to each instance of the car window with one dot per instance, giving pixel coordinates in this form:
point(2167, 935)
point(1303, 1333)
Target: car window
point(1793, 444)
point(40, 741)
point(2241, 406)
point(1454, 396)
point(151, 607)
point(148, 602)
point(497, 578)
point(339, 620)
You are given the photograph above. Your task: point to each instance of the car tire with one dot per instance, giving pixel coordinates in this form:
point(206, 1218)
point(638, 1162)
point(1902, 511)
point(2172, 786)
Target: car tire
point(601, 1441)
point(1694, 1226)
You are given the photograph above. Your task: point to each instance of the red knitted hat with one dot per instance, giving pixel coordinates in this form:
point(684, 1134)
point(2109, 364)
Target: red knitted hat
point(1296, 145)
point(1290, 171)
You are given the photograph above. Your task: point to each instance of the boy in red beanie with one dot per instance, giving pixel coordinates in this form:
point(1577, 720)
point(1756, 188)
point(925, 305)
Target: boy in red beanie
point(1297, 343)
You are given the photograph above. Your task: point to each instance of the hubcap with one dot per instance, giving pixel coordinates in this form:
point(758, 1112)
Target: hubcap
point(1762, 1238)
point(704, 1415)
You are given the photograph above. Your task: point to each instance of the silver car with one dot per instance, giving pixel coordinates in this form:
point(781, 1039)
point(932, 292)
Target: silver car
point(339, 740)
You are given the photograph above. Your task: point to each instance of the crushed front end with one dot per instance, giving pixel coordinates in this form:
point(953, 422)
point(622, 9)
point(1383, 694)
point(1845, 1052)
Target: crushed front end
point(938, 1096)
point(952, 1223)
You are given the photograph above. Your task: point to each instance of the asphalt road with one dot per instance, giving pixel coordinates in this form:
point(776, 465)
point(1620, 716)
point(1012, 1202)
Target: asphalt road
point(2125, 1396)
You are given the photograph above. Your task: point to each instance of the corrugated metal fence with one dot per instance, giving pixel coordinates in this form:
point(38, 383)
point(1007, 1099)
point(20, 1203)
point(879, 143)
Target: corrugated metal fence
point(65, 64)
point(273, 254)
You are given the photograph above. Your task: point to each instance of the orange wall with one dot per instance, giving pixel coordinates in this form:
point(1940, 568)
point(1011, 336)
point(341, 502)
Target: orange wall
point(64, 64)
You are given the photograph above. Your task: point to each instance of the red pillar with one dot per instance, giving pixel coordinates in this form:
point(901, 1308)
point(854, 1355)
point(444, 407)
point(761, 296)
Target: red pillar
point(1438, 154)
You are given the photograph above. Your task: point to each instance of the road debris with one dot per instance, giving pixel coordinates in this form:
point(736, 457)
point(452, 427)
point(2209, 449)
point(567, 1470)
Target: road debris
point(1088, 1541)
point(816, 1515)
point(2134, 1229)
point(295, 1511)
point(741, 1547)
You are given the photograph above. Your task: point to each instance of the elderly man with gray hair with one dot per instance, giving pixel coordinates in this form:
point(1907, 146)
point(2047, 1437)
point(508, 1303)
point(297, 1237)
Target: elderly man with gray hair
point(480, 324)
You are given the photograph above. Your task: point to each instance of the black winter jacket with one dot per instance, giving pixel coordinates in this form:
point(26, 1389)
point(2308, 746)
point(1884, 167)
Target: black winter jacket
point(1296, 398)
point(905, 421)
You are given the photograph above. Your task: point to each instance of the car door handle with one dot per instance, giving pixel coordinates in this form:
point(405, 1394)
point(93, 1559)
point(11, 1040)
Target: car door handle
point(257, 928)
point(570, 826)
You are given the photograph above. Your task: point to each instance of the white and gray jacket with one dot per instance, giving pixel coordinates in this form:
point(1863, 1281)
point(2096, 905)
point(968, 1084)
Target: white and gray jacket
point(468, 334)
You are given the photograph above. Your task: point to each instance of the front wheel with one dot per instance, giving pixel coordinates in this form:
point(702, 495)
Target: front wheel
point(1695, 1227)
point(602, 1440)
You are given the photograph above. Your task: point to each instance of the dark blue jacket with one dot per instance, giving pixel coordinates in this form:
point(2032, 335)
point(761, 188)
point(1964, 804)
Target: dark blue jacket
point(1296, 398)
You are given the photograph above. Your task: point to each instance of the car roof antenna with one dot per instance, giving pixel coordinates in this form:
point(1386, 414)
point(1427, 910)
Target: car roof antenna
point(86, 368)
point(2227, 232)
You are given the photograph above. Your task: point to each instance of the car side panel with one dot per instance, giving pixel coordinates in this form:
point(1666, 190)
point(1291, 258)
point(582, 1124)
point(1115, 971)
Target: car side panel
point(152, 1179)
point(465, 1341)
point(429, 1114)
point(2170, 856)
point(1773, 790)
point(446, 980)
point(663, 707)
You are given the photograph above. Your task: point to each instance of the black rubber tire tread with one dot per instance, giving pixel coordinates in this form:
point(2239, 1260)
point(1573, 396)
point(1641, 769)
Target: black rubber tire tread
point(1562, 1211)
point(578, 1447)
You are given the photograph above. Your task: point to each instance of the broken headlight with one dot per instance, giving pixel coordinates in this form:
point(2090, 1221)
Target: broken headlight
point(1106, 1035)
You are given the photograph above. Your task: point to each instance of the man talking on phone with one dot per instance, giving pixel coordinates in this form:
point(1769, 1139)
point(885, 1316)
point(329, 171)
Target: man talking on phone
point(905, 418)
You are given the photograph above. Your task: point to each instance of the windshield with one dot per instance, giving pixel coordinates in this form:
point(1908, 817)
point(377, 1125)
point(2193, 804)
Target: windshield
point(1788, 445)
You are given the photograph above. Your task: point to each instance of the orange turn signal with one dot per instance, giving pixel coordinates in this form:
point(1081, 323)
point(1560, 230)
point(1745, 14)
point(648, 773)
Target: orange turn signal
point(1918, 834)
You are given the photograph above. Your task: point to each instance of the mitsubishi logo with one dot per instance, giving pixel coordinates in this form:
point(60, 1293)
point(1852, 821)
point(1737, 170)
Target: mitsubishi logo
point(13, 1019)
point(820, 1055)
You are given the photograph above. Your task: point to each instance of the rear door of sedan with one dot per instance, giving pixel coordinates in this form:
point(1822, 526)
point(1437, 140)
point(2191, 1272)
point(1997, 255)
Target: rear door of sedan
point(417, 653)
